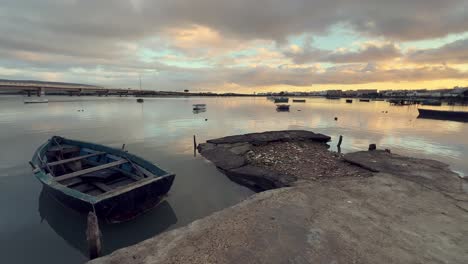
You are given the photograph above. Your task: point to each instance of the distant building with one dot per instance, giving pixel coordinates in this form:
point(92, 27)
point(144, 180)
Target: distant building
point(367, 92)
point(334, 93)
point(457, 92)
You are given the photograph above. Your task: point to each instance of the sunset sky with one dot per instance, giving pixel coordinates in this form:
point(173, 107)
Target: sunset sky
point(237, 45)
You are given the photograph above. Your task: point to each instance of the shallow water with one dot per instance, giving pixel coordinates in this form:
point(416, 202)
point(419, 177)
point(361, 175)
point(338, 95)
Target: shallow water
point(35, 228)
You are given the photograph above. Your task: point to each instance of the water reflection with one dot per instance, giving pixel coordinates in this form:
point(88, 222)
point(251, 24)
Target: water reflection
point(71, 226)
point(197, 111)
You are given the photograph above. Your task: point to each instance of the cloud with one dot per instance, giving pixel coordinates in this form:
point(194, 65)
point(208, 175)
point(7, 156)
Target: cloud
point(369, 52)
point(455, 53)
point(214, 42)
point(94, 27)
point(345, 74)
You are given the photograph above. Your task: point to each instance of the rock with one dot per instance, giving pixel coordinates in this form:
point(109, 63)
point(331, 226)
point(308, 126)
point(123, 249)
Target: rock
point(259, 179)
point(223, 158)
point(233, 153)
point(241, 149)
point(430, 173)
point(358, 220)
point(205, 146)
point(272, 136)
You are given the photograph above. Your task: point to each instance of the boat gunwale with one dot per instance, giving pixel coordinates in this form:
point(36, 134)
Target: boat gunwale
point(50, 181)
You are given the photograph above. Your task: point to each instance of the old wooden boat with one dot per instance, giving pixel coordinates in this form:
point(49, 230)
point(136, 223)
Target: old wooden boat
point(349, 101)
point(299, 100)
point(84, 176)
point(281, 99)
point(443, 115)
point(364, 100)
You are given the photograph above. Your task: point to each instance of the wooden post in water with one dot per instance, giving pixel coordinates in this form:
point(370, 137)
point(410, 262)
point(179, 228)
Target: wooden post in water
point(194, 146)
point(339, 144)
point(339, 141)
point(93, 236)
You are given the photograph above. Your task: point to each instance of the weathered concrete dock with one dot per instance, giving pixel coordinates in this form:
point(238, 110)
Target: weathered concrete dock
point(406, 211)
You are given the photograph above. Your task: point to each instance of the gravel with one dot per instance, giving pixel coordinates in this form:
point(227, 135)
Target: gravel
point(304, 160)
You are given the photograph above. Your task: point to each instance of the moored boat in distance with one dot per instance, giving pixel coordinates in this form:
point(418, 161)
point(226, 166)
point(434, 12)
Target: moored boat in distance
point(399, 102)
point(349, 101)
point(364, 100)
point(36, 101)
point(282, 107)
point(140, 100)
point(299, 100)
point(281, 99)
point(432, 102)
point(197, 107)
point(116, 185)
point(443, 115)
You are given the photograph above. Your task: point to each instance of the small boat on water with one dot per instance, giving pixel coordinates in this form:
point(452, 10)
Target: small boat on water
point(349, 101)
point(282, 107)
point(443, 115)
point(281, 99)
point(378, 99)
point(364, 100)
point(432, 102)
point(299, 100)
point(116, 185)
point(36, 101)
point(140, 100)
point(333, 97)
point(399, 102)
point(197, 107)
point(198, 111)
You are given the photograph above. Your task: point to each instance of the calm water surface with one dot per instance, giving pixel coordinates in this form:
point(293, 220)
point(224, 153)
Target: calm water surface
point(35, 228)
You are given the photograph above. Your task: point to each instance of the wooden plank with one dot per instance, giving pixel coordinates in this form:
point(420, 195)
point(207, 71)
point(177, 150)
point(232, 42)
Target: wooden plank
point(124, 172)
point(102, 186)
point(64, 149)
point(73, 182)
point(146, 172)
point(93, 169)
point(55, 163)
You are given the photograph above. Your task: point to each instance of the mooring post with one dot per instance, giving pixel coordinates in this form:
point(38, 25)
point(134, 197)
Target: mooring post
point(339, 141)
point(93, 236)
point(338, 146)
point(194, 146)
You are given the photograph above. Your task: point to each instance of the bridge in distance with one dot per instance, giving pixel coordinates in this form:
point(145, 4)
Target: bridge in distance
point(41, 88)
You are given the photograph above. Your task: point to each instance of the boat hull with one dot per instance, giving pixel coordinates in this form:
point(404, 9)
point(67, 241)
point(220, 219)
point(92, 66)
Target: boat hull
point(443, 115)
point(118, 208)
